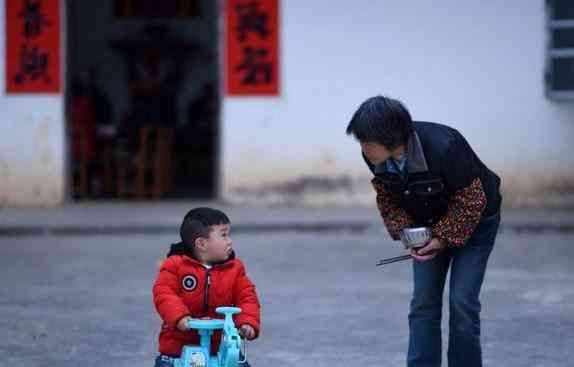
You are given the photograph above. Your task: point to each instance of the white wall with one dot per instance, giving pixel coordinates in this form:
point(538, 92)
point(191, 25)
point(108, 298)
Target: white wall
point(31, 143)
point(477, 67)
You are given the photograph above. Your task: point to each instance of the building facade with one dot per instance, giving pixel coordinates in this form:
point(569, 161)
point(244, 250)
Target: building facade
point(479, 67)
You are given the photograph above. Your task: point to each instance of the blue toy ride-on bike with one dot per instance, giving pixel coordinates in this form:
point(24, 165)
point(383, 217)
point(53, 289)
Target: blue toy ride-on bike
point(229, 348)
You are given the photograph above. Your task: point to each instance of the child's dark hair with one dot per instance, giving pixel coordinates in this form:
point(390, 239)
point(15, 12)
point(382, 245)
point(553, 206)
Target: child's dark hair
point(383, 120)
point(197, 223)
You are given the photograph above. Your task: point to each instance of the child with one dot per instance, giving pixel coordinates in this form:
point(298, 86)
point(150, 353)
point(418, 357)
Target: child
point(200, 274)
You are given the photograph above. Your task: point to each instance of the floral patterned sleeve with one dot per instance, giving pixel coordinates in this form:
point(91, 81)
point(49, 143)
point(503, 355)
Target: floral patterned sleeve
point(464, 212)
point(395, 218)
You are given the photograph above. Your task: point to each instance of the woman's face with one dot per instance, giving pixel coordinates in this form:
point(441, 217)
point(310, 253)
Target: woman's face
point(375, 152)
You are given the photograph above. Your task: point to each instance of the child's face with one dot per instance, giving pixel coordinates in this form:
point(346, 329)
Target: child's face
point(218, 245)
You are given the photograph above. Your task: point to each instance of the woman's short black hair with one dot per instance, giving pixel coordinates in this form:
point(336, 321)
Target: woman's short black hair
point(383, 120)
point(197, 223)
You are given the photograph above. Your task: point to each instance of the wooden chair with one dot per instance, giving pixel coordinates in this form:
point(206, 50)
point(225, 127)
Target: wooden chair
point(80, 164)
point(150, 167)
point(81, 147)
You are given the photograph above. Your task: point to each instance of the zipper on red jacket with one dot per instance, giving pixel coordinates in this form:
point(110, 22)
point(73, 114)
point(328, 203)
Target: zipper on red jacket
point(206, 292)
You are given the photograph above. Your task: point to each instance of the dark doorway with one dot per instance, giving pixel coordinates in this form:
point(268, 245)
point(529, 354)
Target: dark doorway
point(143, 98)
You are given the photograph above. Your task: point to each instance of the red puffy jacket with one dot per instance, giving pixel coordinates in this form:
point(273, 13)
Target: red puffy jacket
point(185, 287)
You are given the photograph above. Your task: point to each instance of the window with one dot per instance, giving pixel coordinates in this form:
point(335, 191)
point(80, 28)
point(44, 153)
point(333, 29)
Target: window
point(560, 52)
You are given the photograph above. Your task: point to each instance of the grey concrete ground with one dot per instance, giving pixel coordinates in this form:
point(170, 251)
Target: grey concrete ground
point(69, 300)
point(122, 217)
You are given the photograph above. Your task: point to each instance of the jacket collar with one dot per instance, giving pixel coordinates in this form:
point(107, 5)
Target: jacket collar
point(180, 249)
point(416, 160)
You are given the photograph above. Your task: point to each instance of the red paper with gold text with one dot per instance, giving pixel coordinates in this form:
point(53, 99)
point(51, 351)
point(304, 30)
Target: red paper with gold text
point(32, 46)
point(252, 47)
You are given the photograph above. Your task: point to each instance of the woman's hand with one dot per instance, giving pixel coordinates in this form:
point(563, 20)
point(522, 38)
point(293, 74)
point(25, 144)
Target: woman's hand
point(429, 251)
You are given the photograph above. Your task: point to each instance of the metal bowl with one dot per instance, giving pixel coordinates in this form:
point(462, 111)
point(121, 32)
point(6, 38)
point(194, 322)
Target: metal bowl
point(415, 237)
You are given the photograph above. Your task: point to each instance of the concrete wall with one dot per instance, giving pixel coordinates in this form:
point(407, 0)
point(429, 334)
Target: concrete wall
point(478, 67)
point(32, 143)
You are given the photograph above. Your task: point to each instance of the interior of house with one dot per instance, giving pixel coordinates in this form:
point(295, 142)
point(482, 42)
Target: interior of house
point(143, 99)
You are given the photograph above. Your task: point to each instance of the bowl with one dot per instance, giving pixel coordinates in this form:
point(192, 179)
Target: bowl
point(415, 237)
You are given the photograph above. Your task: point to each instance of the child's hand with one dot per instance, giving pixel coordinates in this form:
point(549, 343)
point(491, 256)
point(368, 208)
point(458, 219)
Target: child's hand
point(247, 331)
point(182, 323)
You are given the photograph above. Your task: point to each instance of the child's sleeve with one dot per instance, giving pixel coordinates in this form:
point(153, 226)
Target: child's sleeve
point(245, 297)
point(165, 298)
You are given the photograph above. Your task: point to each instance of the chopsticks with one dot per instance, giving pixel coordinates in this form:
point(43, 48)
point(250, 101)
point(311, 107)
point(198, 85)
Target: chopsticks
point(394, 259)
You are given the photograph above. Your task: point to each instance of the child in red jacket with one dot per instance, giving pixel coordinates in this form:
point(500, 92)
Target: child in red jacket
point(200, 274)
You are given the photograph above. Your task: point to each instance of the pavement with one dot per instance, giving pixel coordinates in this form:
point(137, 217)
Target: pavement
point(164, 217)
point(75, 286)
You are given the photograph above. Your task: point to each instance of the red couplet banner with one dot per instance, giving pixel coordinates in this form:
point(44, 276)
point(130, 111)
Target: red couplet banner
point(252, 47)
point(32, 46)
